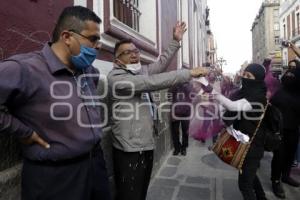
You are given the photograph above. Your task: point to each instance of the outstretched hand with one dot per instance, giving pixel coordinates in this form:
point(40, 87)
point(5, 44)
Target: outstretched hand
point(35, 138)
point(179, 30)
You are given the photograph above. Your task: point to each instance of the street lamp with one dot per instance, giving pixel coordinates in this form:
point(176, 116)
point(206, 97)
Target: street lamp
point(221, 62)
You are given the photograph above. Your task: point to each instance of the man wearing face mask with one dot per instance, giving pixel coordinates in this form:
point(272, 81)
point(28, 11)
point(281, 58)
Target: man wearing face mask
point(133, 114)
point(47, 102)
point(287, 99)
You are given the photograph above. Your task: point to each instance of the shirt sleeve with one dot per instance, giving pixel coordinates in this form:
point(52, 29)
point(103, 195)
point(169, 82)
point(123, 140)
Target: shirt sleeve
point(12, 83)
point(128, 83)
point(239, 105)
point(164, 59)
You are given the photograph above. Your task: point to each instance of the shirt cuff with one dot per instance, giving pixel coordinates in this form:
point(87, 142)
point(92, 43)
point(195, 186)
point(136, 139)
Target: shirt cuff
point(175, 43)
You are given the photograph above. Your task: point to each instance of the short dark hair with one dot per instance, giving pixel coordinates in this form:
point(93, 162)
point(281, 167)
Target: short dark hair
point(73, 18)
point(267, 62)
point(294, 61)
point(123, 41)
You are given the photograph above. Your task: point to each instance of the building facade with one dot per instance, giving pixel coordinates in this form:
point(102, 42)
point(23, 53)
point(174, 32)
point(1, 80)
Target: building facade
point(27, 26)
point(289, 17)
point(266, 33)
point(211, 53)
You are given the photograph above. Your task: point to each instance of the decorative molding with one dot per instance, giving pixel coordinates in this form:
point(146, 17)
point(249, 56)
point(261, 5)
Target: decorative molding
point(185, 65)
point(115, 23)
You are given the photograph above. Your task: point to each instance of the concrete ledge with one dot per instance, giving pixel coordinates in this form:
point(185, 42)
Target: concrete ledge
point(10, 181)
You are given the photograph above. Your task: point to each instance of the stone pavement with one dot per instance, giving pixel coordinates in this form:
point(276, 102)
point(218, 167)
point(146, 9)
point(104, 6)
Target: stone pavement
point(200, 175)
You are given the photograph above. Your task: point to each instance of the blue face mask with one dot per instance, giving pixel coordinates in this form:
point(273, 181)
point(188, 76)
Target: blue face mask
point(85, 58)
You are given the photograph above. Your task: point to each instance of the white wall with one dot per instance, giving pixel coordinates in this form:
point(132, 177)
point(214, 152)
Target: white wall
point(196, 39)
point(103, 66)
point(148, 19)
point(179, 18)
point(80, 3)
point(185, 41)
point(98, 9)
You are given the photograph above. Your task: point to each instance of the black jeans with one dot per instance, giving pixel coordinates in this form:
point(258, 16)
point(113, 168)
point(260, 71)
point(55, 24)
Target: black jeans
point(176, 133)
point(249, 183)
point(283, 157)
point(132, 172)
point(84, 178)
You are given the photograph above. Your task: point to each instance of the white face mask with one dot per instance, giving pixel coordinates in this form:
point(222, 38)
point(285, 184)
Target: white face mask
point(134, 68)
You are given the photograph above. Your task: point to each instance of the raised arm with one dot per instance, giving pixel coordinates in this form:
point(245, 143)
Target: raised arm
point(295, 49)
point(127, 83)
point(166, 57)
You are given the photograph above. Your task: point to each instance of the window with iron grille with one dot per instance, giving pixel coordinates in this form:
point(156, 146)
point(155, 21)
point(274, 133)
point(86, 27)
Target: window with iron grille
point(127, 11)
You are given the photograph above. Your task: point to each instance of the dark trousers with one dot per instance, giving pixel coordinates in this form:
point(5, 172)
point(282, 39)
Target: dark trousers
point(249, 183)
point(132, 171)
point(176, 134)
point(283, 157)
point(77, 180)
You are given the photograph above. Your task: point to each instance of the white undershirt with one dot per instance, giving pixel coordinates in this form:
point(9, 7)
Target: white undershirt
point(239, 105)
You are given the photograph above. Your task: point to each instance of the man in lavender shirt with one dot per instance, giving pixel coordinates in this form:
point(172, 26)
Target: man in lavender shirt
point(48, 101)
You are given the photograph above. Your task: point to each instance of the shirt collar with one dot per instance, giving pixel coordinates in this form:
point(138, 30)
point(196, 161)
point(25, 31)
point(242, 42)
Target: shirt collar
point(115, 65)
point(52, 60)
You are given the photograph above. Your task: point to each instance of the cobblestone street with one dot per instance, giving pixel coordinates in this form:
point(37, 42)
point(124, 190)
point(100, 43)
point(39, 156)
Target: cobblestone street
point(201, 176)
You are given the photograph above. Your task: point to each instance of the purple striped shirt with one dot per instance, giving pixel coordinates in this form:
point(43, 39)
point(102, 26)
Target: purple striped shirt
point(41, 95)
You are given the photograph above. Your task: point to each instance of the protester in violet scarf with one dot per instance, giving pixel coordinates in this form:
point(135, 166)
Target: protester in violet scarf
point(272, 83)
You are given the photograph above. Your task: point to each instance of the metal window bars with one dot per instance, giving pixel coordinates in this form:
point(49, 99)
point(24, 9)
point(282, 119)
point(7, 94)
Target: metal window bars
point(127, 11)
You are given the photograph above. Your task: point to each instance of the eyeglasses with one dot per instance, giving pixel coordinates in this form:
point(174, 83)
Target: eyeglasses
point(95, 40)
point(129, 51)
